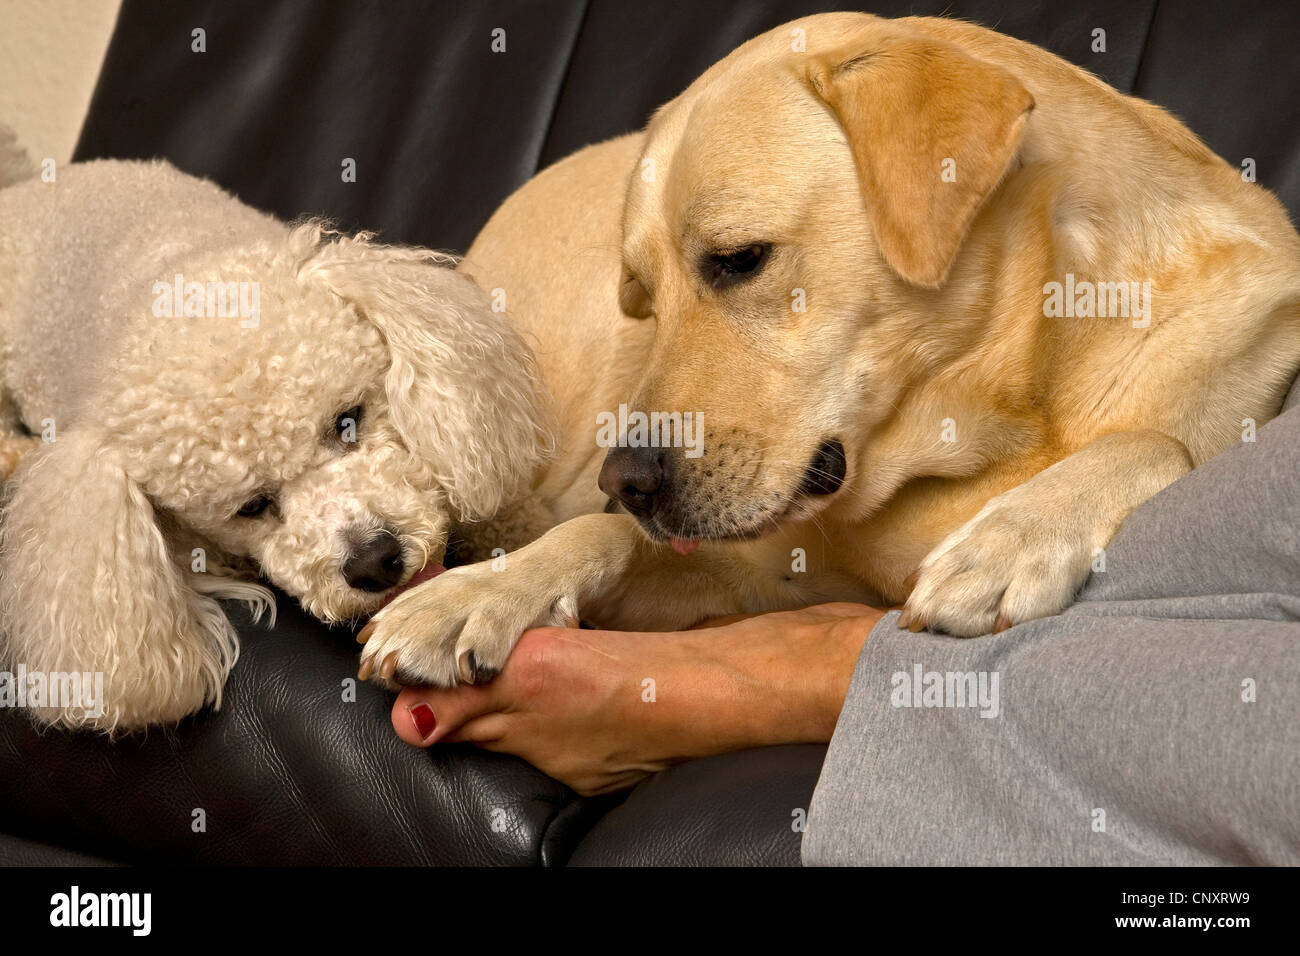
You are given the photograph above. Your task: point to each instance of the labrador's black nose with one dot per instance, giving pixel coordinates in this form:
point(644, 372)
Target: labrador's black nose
point(635, 476)
point(376, 565)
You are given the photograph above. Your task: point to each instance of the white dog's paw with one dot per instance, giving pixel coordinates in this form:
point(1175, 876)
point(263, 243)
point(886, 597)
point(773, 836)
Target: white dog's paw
point(1012, 562)
point(459, 627)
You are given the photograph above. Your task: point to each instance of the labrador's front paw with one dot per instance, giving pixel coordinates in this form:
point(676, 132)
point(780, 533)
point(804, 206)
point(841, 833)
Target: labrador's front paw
point(459, 627)
point(1009, 564)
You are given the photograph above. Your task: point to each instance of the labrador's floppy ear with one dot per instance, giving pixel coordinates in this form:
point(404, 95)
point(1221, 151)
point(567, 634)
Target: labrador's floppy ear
point(463, 388)
point(88, 587)
point(933, 130)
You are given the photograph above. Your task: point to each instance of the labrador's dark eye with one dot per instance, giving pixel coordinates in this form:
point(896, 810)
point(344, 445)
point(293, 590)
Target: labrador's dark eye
point(254, 507)
point(346, 425)
point(727, 268)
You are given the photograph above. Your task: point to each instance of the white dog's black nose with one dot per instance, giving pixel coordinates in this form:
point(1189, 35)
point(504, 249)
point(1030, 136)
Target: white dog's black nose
point(376, 565)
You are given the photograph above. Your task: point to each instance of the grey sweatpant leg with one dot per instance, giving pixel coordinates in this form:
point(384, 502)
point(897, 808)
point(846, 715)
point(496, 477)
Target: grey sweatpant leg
point(1156, 721)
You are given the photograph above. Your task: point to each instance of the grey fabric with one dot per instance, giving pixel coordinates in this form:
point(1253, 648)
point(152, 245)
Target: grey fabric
point(1130, 704)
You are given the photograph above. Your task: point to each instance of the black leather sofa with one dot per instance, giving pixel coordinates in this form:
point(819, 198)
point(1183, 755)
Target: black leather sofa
point(442, 129)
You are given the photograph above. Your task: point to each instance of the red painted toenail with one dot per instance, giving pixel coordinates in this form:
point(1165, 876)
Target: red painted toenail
point(425, 722)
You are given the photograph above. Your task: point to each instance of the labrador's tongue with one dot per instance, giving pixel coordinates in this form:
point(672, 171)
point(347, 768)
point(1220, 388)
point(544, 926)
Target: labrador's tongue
point(426, 573)
point(683, 545)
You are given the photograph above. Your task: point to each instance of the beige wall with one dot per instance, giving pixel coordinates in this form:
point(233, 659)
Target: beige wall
point(50, 51)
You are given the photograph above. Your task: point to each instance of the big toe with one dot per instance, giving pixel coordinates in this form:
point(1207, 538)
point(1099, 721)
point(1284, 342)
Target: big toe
point(425, 715)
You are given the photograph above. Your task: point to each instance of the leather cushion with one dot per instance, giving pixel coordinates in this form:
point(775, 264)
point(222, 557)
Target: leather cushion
point(736, 809)
point(286, 772)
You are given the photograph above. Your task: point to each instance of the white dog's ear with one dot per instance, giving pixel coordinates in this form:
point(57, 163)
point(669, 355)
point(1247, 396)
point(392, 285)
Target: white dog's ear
point(933, 130)
point(88, 587)
point(463, 388)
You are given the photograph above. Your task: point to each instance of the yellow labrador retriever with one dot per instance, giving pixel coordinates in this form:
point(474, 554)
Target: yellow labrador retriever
point(915, 311)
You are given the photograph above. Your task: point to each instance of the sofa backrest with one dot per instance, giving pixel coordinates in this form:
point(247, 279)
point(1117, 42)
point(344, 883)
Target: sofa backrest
point(443, 123)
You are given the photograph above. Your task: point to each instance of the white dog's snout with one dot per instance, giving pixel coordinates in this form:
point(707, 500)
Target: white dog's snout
point(375, 562)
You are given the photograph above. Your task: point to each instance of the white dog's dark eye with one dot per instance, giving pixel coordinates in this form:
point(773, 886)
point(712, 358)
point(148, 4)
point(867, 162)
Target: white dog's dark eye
point(346, 425)
point(727, 268)
point(254, 506)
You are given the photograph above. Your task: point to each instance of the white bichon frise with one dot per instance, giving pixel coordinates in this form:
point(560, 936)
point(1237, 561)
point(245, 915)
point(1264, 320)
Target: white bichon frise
point(195, 393)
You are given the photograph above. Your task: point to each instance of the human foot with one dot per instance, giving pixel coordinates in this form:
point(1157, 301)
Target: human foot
point(600, 710)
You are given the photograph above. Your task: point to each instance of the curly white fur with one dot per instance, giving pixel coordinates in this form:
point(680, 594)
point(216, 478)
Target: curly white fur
point(120, 535)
